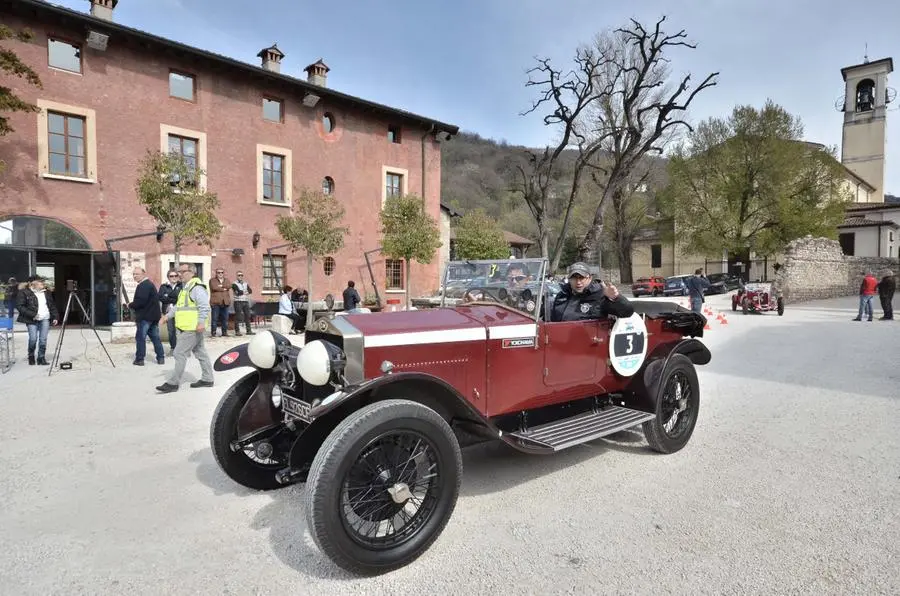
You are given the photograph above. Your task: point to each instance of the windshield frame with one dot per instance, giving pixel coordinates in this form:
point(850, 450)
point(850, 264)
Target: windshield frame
point(535, 266)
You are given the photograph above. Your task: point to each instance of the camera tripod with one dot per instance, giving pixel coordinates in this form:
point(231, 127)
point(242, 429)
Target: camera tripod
point(72, 295)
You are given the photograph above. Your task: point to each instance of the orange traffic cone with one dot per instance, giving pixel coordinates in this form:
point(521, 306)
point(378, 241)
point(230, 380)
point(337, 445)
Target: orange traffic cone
point(722, 319)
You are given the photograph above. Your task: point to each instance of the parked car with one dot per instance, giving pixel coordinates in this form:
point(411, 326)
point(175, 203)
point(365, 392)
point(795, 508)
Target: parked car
point(675, 286)
point(372, 411)
point(648, 286)
point(720, 283)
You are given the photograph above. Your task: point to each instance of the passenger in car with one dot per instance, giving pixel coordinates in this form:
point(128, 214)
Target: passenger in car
point(583, 297)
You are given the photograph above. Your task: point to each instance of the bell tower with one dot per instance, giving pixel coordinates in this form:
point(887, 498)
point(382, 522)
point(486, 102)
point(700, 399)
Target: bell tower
point(863, 142)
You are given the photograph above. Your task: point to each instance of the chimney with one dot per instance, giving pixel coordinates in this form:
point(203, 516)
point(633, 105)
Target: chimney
point(103, 9)
point(317, 73)
point(271, 58)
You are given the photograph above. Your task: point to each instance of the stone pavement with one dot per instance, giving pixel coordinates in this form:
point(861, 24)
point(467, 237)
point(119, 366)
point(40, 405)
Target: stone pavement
point(789, 485)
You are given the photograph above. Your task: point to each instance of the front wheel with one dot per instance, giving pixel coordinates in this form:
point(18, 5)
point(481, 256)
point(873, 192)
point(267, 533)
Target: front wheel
point(780, 306)
point(677, 407)
point(254, 465)
point(383, 486)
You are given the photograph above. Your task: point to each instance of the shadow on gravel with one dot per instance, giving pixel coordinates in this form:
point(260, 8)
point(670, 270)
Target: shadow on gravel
point(487, 468)
point(847, 356)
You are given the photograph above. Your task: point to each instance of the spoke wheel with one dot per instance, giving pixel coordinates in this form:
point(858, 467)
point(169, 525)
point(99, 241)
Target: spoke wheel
point(382, 486)
point(677, 407)
point(255, 464)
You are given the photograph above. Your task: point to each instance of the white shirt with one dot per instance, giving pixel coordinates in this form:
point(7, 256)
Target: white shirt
point(43, 311)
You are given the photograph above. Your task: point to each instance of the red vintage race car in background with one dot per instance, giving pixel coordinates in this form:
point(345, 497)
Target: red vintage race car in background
point(758, 297)
point(373, 410)
point(648, 286)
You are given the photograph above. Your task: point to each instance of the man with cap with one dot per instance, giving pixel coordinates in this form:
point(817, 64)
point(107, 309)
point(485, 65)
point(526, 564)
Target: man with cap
point(583, 298)
point(38, 311)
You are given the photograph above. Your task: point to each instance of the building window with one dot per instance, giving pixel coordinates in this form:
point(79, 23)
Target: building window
point(848, 243)
point(328, 265)
point(66, 144)
point(273, 273)
point(328, 186)
point(63, 55)
point(394, 134)
point(328, 122)
point(655, 256)
point(181, 85)
point(393, 185)
point(273, 109)
point(393, 273)
point(273, 177)
point(186, 147)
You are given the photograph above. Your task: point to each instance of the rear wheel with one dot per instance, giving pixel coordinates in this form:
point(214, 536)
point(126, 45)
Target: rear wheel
point(780, 306)
point(677, 407)
point(383, 486)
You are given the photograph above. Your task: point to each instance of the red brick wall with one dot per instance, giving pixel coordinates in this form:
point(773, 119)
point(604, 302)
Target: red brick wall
point(128, 87)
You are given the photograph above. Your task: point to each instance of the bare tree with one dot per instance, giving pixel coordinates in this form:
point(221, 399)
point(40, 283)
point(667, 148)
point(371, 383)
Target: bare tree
point(567, 96)
point(637, 114)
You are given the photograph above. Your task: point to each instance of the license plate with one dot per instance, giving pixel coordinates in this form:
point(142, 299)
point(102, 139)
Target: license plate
point(296, 407)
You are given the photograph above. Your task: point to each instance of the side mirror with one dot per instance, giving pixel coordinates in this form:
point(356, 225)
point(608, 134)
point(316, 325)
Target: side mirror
point(329, 301)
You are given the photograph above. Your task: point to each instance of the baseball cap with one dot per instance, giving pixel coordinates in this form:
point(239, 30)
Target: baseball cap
point(579, 268)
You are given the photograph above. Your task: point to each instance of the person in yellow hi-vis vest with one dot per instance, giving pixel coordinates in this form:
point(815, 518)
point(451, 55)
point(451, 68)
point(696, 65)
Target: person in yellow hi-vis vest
point(191, 311)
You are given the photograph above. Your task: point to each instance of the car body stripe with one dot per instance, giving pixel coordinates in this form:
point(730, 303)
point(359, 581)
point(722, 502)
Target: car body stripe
point(510, 331)
point(416, 338)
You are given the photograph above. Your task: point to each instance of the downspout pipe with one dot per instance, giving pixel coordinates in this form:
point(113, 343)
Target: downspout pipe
point(427, 132)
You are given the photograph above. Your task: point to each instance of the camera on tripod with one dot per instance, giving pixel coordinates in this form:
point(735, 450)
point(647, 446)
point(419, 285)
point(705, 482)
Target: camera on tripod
point(71, 285)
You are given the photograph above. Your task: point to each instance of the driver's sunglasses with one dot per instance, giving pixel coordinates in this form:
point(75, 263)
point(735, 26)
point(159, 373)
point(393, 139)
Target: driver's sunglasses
point(516, 278)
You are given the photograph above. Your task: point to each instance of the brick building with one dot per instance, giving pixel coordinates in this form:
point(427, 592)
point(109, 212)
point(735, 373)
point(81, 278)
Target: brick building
point(111, 93)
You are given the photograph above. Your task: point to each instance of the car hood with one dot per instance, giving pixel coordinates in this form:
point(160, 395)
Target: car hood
point(439, 325)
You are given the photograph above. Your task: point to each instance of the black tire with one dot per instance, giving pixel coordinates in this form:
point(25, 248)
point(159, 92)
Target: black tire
point(679, 369)
point(734, 305)
point(328, 482)
point(745, 304)
point(780, 307)
point(655, 293)
point(237, 465)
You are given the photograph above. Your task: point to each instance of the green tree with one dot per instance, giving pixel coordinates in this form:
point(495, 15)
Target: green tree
point(313, 227)
point(11, 64)
point(749, 183)
point(409, 232)
point(479, 236)
point(168, 188)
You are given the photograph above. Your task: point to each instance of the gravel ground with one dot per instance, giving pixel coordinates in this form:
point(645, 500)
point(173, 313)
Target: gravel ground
point(789, 485)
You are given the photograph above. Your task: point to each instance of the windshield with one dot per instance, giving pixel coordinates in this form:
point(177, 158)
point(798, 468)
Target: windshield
point(517, 283)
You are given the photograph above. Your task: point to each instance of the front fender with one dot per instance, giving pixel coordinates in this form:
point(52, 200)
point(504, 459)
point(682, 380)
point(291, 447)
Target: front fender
point(235, 357)
point(259, 413)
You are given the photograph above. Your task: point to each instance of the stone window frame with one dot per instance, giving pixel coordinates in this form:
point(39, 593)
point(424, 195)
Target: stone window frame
point(287, 171)
point(90, 141)
point(404, 181)
point(166, 129)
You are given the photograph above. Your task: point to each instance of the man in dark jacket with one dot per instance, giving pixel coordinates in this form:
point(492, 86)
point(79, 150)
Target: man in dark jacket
point(886, 288)
point(38, 311)
point(697, 286)
point(146, 314)
point(586, 298)
point(351, 296)
point(168, 294)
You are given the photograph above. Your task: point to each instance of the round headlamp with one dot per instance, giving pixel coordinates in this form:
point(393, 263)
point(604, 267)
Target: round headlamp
point(317, 361)
point(261, 350)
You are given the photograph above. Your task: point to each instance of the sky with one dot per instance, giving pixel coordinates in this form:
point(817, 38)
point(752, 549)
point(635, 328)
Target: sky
point(464, 61)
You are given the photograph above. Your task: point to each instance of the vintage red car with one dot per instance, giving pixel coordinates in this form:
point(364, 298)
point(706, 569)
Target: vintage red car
point(758, 297)
point(373, 410)
point(648, 286)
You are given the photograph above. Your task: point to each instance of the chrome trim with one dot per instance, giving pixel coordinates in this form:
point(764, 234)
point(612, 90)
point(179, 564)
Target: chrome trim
point(354, 370)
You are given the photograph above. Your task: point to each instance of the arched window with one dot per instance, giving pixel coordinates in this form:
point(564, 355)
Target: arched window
point(40, 232)
point(328, 122)
point(328, 185)
point(865, 95)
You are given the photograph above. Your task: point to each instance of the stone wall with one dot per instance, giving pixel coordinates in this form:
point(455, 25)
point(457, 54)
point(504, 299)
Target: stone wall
point(816, 268)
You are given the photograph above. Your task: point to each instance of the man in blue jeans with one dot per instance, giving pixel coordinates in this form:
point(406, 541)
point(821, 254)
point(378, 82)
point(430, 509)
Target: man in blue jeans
point(696, 286)
point(146, 315)
point(38, 311)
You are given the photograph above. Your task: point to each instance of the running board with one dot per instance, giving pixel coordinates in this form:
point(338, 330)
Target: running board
point(568, 432)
